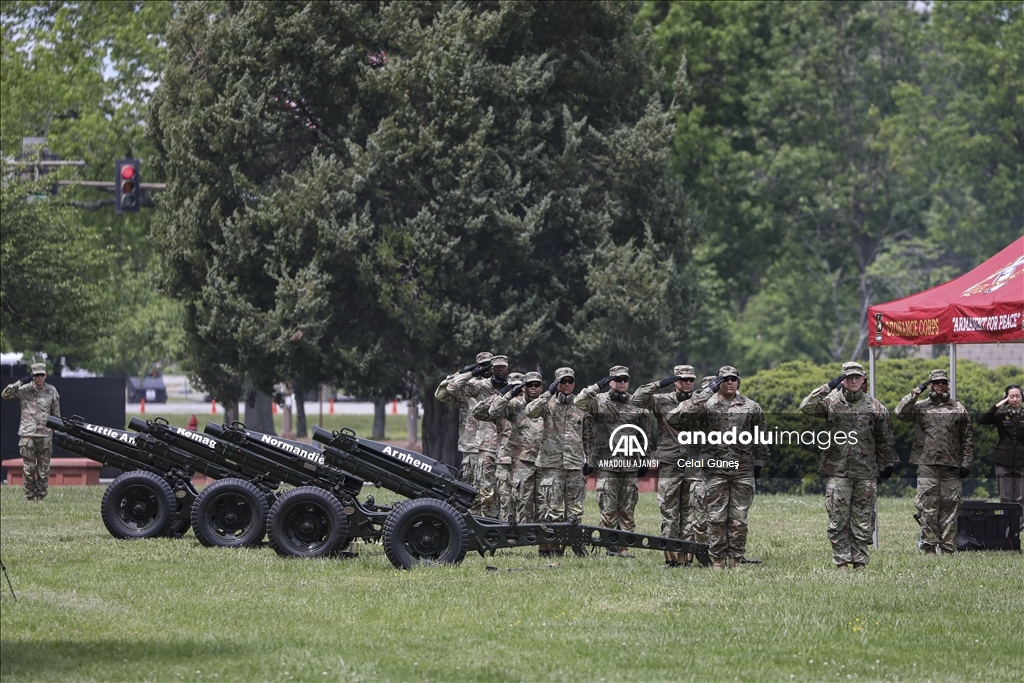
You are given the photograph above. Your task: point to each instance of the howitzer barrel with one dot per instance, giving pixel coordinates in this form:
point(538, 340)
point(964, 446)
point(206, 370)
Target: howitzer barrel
point(113, 447)
point(292, 462)
point(407, 473)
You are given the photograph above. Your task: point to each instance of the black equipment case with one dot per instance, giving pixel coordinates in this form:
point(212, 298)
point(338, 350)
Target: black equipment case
point(989, 526)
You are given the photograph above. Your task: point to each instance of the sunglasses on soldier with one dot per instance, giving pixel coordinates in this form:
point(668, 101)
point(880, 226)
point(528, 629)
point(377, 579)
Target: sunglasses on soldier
point(534, 385)
point(621, 378)
point(567, 380)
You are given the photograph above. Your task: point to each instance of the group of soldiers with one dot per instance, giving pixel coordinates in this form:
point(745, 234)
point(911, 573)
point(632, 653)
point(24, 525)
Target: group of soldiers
point(528, 449)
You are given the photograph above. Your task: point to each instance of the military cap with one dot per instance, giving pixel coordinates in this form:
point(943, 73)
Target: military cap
point(684, 371)
point(515, 377)
point(533, 377)
point(482, 356)
point(618, 371)
point(499, 360)
point(728, 371)
point(39, 368)
point(853, 369)
point(562, 373)
point(938, 376)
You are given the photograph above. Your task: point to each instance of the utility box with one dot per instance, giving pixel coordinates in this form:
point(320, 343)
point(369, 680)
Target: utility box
point(989, 526)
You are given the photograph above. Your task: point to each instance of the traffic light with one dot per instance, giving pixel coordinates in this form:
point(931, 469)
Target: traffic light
point(127, 186)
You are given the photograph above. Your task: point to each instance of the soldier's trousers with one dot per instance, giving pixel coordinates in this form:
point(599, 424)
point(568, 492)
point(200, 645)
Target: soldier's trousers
point(485, 479)
point(1011, 484)
point(728, 498)
point(617, 494)
point(36, 452)
point(681, 501)
point(524, 491)
point(850, 504)
point(939, 499)
point(560, 494)
point(503, 476)
point(469, 465)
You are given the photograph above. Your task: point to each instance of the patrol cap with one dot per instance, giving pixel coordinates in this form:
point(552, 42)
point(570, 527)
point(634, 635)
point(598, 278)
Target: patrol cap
point(618, 371)
point(935, 376)
point(728, 371)
point(499, 360)
point(853, 369)
point(562, 373)
point(482, 356)
point(39, 368)
point(515, 377)
point(684, 371)
point(533, 377)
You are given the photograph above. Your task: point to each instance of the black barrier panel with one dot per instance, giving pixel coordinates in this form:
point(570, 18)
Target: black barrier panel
point(99, 400)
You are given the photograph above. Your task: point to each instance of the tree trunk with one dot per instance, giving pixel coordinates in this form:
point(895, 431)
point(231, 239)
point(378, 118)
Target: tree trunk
point(380, 405)
point(260, 417)
point(300, 410)
point(412, 408)
point(231, 412)
point(441, 432)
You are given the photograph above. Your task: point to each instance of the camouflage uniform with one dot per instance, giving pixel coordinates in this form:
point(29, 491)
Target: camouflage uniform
point(35, 441)
point(617, 488)
point(561, 486)
point(729, 490)
point(1008, 455)
point(464, 385)
point(468, 425)
point(852, 468)
point(680, 489)
point(503, 461)
point(943, 444)
point(523, 443)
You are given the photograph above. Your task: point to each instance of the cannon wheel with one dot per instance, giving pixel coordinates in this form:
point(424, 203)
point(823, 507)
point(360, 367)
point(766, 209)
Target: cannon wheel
point(230, 513)
point(425, 531)
point(138, 505)
point(307, 522)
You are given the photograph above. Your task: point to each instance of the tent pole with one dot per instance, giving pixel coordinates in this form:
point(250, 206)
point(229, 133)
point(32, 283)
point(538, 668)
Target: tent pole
point(871, 390)
point(952, 371)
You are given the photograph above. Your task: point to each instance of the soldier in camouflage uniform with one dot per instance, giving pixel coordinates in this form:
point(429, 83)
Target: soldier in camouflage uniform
point(473, 385)
point(680, 488)
point(852, 466)
point(943, 451)
point(730, 469)
point(525, 433)
point(503, 461)
point(39, 400)
point(616, 473)
point(561, 484)
point(467, 423)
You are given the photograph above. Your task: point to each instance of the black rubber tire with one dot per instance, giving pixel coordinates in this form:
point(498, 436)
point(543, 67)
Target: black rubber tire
point(425, 531)
point(230, 513)
point(307, 522)
point(138, 505)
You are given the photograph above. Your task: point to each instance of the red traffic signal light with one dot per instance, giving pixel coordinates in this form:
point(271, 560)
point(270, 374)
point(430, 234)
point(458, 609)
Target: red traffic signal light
point(127, 186)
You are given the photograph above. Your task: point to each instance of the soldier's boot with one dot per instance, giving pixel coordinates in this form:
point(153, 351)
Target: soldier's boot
point(842, 567)
point(624, 552)
point(857, 566)
point(671, 559)
point(687, 559)
point(544, 550)
point(946, 551)
point(928, 549)
point(719, 564)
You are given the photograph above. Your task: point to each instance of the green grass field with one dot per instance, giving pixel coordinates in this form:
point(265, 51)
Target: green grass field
point(90, 608)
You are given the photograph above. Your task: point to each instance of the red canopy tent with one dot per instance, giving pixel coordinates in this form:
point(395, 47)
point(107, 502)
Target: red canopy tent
point(983, 306)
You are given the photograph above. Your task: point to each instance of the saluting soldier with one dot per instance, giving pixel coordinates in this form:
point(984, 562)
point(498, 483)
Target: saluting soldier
point(523, 444)
point(730, 468)
point(680, 486)
point(474, 385)
point(468, 425)
point(39, 401)
point(503, 461)
point(561, 485)
point(617, 488)
point(943, 452)
point(860, 450)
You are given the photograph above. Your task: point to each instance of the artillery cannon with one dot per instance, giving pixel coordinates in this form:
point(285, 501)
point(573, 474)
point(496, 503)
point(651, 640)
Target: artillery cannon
point(435, 527)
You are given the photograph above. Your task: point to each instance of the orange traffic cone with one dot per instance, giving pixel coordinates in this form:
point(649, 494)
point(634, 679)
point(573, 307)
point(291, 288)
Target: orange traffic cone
point(273, 408)
point(142, 406)
point(394, 407)
point(332, 406)
point(213, 407)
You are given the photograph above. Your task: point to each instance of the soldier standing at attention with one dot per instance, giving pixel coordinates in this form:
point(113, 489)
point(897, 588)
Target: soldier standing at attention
point(467, 423)
point(1008, 455)
point(503, 461)
point(617, 474)
point(561, 484)
point(680, 488)
point(523, 444)
point(730, 469)
point(472, 385)
point(852, 465)
point(943, 451)
point(39, 401)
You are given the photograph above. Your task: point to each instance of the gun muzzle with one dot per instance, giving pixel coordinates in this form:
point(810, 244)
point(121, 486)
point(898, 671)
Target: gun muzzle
point(214, 429)
point(137, 424)
point(54, 422)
